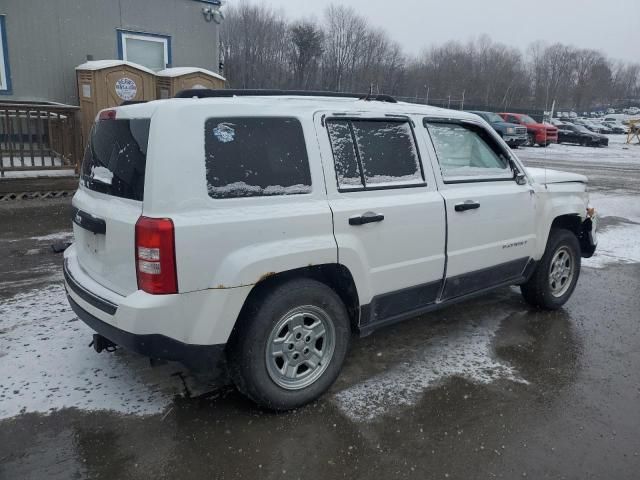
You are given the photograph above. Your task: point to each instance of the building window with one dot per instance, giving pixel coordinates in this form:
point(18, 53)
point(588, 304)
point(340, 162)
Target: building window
point(5, 77)
point(148, 49)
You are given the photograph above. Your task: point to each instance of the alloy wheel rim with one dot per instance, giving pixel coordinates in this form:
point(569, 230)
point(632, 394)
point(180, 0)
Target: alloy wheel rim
point(561, 272)
point(300, 347)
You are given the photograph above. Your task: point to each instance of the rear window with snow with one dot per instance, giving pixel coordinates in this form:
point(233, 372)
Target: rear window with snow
point(116, 156)
point(255, 156)
point(374, 154)
point(466, 153)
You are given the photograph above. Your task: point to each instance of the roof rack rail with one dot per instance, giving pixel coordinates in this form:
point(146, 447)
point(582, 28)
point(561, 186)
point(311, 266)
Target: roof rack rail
point(132, 102)
point(229, 92)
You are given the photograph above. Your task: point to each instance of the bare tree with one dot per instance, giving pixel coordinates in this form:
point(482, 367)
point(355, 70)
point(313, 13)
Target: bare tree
point(345, 32)
point(307, 40)
point(263, 49)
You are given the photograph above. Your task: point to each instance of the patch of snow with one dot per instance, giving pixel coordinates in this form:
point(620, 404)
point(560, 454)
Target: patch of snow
point(39, 173)
point(383, 180)
point(100, 64)
point(241, 189)
point(54, 236)
point(616, 204)
point(102, 174)
point(616, 244)
point(46, 364)
point(178, 71)
point(466, 352)
point(617, 152)
point(37, 161)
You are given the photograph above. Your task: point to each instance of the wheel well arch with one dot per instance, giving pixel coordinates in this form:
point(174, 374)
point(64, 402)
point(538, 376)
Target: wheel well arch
point(579, 228)
point(571, 222)
point(335, 275)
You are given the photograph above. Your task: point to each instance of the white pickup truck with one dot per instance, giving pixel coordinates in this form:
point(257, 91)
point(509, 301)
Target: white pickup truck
point(265, 228)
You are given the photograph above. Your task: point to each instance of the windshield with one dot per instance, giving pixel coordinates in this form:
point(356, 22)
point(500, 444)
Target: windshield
point(492, 117)
point(581, 128)
point(526, 119)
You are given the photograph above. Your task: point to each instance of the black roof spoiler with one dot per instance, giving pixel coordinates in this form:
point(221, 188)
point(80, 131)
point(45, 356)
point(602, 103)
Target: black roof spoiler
point(224, 93)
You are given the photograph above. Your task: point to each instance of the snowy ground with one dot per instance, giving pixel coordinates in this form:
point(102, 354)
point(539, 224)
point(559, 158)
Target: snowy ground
point(46, 365)
point(38, 161)
point(614, 191)
point(618, 151)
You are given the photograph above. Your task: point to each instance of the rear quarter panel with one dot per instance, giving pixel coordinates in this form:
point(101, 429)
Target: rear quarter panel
point(228, 243)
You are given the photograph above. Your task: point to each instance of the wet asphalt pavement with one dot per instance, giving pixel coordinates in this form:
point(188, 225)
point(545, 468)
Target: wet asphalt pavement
point(485, 389)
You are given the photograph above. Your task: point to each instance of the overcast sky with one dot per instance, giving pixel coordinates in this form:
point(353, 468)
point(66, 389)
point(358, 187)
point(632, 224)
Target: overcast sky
point(612, 26)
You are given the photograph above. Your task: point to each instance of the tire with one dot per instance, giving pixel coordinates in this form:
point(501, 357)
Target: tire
point(531, 142)
point(283, 319)
point(562, 257)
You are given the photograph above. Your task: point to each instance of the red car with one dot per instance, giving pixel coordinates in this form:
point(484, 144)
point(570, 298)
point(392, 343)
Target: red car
point(539, 133)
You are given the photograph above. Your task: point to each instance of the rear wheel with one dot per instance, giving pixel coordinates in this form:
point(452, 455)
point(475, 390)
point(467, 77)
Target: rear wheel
point(290, 344)
point(556, 276)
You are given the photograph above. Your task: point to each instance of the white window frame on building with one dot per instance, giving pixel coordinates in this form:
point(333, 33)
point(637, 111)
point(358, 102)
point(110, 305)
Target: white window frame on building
point(5, 75)
point(124, 35)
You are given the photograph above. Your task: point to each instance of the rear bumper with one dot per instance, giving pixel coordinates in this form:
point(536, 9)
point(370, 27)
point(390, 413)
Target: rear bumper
point(154, 345)
point(191, 327)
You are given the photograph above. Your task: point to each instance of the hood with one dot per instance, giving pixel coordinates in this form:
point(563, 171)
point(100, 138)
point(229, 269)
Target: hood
point(546, 175)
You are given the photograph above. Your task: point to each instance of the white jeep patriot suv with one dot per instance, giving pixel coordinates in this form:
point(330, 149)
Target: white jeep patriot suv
point(264, 228)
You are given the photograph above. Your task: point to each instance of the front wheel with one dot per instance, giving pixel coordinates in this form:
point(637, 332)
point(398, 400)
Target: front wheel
point(290, 344)
point(556, 276)
point(531, 140)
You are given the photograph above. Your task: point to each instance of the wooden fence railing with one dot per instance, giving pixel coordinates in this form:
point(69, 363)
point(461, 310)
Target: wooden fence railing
point(35, 137)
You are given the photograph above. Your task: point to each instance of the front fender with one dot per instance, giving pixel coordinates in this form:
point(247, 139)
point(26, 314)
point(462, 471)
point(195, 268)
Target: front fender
point(557, 200)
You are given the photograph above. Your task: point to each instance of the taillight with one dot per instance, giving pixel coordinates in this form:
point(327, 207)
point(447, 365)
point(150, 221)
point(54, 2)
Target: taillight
point(107, 115)
point(156, 256)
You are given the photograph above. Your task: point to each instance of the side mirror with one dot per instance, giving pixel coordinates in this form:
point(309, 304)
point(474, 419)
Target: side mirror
point(521, 179)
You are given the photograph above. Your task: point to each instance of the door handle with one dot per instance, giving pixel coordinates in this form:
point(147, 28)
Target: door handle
point(468, 205)
point(368, 217)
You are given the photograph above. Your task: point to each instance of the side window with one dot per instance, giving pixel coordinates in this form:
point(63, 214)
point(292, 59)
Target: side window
point(374, 153)
point(467, 153)
point(255, 156)
point(151, 50)
point(5, 78)
point(344, 154)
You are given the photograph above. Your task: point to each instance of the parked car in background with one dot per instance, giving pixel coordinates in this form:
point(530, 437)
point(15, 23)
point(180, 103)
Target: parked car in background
point(592, 125)
point(581, 135)
point(513, 134)
point(615, 125)
point(539, 133)
point(601, 127)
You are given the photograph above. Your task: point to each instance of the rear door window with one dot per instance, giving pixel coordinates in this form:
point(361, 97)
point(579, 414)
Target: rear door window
point(115, 159)
point(255, 156)
point(374, 154)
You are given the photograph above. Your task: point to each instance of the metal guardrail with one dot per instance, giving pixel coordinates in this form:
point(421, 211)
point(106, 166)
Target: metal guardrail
point(39, 137)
